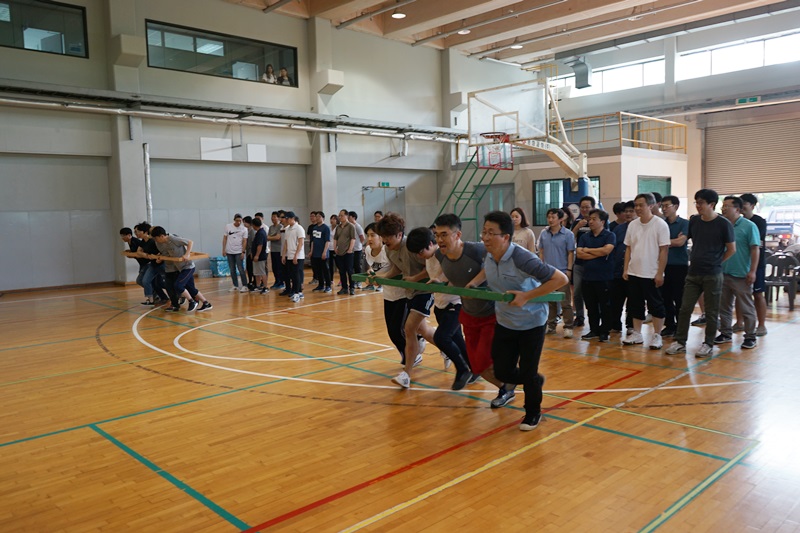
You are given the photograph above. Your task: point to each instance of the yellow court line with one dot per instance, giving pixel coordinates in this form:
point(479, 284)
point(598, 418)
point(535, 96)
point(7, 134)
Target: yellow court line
point(469, 475)
point(651, 417)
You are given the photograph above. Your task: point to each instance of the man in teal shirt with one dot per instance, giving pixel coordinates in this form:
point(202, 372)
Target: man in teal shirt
point(739, 273)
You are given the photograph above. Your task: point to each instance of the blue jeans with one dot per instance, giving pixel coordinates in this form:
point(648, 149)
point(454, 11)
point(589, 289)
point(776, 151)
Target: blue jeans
point(153, 281)
point(235, 261)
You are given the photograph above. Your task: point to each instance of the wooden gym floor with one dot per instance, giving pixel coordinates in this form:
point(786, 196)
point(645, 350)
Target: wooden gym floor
point(263, 415)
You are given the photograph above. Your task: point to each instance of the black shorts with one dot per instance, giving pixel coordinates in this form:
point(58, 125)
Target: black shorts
point(421, 303)
point(760, 285)
point(641, 290)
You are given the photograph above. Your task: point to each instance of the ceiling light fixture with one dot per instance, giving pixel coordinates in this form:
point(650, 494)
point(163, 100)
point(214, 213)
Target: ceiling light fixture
point(516, 47)
point(371, 14)
point(464, 30)
point(398, 14)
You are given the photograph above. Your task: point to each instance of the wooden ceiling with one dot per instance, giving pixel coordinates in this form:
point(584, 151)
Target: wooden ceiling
point(540, 30)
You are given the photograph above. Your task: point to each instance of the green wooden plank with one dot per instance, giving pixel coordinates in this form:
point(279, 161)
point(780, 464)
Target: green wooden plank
point(479, 293)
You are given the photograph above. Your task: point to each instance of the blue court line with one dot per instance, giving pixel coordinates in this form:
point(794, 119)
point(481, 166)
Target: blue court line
point(229, 517)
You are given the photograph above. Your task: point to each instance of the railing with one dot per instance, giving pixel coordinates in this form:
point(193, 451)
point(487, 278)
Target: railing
point(624, 129)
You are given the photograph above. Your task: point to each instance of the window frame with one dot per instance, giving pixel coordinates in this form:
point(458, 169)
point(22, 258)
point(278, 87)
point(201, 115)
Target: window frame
point(44, 4)
point(594, 180)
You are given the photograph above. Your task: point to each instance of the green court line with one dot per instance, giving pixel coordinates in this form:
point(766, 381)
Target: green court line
point(229, 517)
point(690, 496)
point(71, 372)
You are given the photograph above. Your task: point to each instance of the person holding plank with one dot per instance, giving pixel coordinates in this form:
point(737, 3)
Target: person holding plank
point(176, 253)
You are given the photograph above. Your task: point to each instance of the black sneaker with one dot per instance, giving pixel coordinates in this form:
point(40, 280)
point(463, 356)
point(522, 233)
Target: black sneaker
point(749, 344)
point(473, 378)
point(148, 302)
point(319, 288)
point(285, 293)
point(589, 336)
point(342, 292)
point(172, 309)
point(602, 337)
point(181, 301)
point(192, 305)
point(205, 307)
point(530, 422)
point(722, 339)
point(352, 292)
point(700, 321)
point(579, 322)
point(504, 397)
point(461, 380)
point(668, 332)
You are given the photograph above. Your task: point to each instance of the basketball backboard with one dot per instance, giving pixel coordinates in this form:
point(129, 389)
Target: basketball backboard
point(519, 110)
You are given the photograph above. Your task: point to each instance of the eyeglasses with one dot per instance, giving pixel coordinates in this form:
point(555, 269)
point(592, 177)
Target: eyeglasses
point(485, 233)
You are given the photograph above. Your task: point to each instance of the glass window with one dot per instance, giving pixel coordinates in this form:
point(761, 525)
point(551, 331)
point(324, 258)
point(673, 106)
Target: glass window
point(202, 52)
point(618, 79)
point(782, 49)
point(44, 26)
point(739, 57)
point(654, 72)
point(695, 65)
point(548, 194)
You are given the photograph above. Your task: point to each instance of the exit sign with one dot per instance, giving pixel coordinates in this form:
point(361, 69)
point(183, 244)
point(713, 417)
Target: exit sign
point(748, 100)
point(383, 184)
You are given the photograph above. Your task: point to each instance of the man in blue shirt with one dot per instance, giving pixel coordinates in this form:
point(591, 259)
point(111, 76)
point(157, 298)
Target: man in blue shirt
point(557, 249)
point(595, 249)
point(677, 263)
point(738, 275)
point(519, 333)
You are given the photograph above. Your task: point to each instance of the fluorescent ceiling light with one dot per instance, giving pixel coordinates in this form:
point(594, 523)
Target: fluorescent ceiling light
point(463, 32)
point(516, 46)
point(398, 14)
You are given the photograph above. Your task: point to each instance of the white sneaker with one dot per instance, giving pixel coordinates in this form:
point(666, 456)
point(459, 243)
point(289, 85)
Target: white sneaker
point(417, 361)
point(704, 351)
point(676, 348)
point(567, 333)
point(402, 379)
point(629, 331)
point(243, 289)
point(655, 342)
point(446, 360)
point(633, 338)
point(422, 344)
point(233, 289)
point(295, 298)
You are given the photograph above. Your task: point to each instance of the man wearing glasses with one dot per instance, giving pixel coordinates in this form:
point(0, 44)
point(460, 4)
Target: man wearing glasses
point(520, 330)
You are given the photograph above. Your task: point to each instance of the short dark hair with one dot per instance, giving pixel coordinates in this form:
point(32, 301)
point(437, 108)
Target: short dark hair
point(259, 214)
point(657, 196)
point(419, 239)
point(449, 220)
point(379, 212)
point(709, 195)
point(602, 215)
point(557, 212)
point(257, 222)
point(274, 213)
point(248, 219)
point(126, 231)
point(391, 224)
point(371, 227)
point(674, 200)
point(157, 231)
point(524, 223)
point(750, 198)
point(237, 215)
point(618, 208)
point(352, 214)
point(647, 196)
point(144, 227)
point(320, 213)
point(588, 198)
point(502, 219)
point(737, 202)
point(630, 204)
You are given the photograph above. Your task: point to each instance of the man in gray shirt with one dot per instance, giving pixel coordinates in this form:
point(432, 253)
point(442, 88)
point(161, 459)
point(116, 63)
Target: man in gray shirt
point(345, 240)
point(275, 238)
point(176, 252)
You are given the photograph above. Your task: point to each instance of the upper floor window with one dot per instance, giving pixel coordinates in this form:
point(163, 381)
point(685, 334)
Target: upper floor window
point(618, 77)
point(202, 52)
point(44, 26)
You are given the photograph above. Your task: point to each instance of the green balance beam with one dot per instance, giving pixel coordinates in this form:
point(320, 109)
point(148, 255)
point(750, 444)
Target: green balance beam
point(479, 293)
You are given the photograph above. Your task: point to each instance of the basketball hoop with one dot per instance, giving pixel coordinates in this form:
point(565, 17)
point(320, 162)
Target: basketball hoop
point(498, 154)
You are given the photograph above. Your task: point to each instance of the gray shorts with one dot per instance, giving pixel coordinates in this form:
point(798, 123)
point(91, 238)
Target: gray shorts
point(259, 268)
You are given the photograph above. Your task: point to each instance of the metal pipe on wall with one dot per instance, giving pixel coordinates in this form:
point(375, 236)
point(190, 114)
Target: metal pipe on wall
point(148, 192)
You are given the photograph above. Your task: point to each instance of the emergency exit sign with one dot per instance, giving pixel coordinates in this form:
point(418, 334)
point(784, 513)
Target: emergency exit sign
point(383, 184)
point(748, 100)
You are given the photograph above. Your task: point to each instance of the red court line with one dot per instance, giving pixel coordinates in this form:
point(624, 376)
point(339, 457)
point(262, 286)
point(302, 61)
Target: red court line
point(355, 488)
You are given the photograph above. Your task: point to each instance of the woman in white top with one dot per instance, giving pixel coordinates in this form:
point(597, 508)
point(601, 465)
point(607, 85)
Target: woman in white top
point(523, 235)
point(269, 76)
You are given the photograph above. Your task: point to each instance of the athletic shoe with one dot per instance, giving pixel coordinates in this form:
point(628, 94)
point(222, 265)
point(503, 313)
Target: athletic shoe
point(243, 289)
point(263, 290)
point(634, 338)
point(579, 322)
point(301, 295)
point(589, 336)
point(567, 333)
point(205, 307)
point(530, 422)
point(704, 351)
point(319, 288)
point(402, 379)
point(722, 339)
point(749, 344)
point(417, 361)
point(668, 332)
point(701, 321)
point(327, 289)
point(369, 288)
point(342, 292)
point(655, 342)
point(736, 328)
point(602, 337)
point(352, 292)
point(192, 305)
point(313, 281)
point(422, 344)
point(358, 285)
point(172, 309)
point(181, 301)
point(628, 332)
point(648, 318)
point(378, 289)
point(295, 298)
point(445, 360)
point(233, 289)
point(461, 380)
point(761, 331)
point(504, 397)
point(551, 328)
point(473, 378)
point(285, 292)
point(676, 348)
point(148, 302)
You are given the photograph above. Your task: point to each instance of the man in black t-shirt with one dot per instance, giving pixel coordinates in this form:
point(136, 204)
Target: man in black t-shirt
point(712, 244)
point(749, 202)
